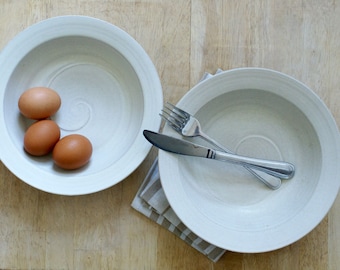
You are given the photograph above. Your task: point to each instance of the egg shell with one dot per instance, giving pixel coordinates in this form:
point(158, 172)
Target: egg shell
point(72, 152)
point(41, 137)
point(39, 103)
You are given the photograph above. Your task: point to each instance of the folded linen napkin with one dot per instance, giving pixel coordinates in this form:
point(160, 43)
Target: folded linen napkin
point(151, 201)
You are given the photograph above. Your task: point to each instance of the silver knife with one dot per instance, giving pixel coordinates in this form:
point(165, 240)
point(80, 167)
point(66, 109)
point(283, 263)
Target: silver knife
point(281, 169)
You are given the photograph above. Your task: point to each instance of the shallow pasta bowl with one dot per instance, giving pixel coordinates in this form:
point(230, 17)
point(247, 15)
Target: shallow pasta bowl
point(110, 92)
point(260, 113)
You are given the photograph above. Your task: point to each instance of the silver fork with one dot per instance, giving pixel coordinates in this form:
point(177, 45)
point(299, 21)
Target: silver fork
point(188, 126)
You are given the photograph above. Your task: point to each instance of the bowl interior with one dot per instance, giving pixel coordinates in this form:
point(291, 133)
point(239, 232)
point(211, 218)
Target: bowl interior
point(101, 97)
point(260, 124)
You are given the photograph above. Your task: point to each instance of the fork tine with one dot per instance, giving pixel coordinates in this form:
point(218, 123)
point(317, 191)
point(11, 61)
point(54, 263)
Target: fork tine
point(172, 121)
point(180, 111)
point(174, 114)
point(173, 117)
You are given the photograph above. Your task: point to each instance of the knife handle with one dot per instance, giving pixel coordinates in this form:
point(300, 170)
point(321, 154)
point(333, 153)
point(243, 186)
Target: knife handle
point(275, 168)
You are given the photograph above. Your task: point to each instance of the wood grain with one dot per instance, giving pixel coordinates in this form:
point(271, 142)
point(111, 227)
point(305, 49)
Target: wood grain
point(184, 38)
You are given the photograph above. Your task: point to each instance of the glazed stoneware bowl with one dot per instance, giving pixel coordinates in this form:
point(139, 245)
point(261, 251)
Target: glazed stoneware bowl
point(260, 113)
point(109, 89)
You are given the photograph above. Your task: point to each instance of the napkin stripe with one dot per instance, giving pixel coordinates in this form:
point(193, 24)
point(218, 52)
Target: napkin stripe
point(216, 254)
point(154, 216)
point(153, 194)
point(203, 245)
point(166, 223)
point(152, 190)
point(182, 227)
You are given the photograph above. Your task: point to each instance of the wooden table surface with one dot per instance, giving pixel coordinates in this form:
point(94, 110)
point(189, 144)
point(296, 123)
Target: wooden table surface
point(184, 38)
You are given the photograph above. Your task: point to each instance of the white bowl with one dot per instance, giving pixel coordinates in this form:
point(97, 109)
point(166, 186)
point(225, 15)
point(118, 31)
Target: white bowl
point(260, 113)
point(110, 92)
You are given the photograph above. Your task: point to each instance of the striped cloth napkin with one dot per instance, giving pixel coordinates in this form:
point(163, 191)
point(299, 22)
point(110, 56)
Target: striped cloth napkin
point(151, 201)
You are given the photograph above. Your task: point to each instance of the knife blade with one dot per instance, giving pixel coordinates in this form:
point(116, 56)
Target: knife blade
point(279, 169)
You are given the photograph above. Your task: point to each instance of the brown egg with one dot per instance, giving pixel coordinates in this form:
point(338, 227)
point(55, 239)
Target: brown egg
point(41, 137)
point(39, 103)
point(72, 152)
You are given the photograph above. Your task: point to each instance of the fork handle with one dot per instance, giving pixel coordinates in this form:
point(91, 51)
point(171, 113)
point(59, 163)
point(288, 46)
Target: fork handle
point(270, 180)
point(281, 169)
